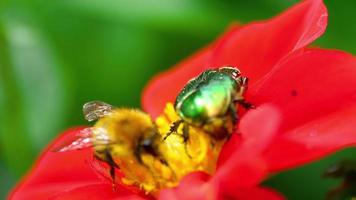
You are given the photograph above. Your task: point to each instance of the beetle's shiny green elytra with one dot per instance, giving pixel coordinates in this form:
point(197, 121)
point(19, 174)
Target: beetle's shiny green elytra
point(208, 101)
point(210, 95)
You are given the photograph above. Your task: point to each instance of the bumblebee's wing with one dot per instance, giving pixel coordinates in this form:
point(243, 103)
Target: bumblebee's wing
point(88, 137)
point(85, 138)
point(94, 110)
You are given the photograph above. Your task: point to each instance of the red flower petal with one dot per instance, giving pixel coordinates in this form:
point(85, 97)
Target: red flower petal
point(233, 144)
point(311, 88)
point(254, 193)
point(245, 166)
point(314, 140)
point(95, 192)
point(192, 187)
point(307, 85)
point(254, 49)
point(197, 186)
point(66, 174)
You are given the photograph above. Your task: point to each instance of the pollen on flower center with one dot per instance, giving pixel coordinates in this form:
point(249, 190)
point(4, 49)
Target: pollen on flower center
point(199, 153)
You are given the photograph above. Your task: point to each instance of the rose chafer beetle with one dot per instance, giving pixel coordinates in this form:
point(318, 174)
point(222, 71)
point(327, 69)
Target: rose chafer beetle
point(209, 101)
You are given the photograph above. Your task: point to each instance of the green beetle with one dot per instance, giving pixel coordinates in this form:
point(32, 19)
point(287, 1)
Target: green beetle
point(209, 101)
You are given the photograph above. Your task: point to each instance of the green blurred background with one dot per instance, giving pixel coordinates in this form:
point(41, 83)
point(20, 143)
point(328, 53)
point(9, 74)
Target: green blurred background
point(56, 55)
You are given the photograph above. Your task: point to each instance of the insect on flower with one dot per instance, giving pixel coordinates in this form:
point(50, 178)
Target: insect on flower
point(209, 101)
point(298, 120)
point(128, 140)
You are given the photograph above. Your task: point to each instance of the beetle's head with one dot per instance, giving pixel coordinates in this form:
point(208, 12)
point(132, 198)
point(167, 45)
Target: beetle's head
point(232, 71)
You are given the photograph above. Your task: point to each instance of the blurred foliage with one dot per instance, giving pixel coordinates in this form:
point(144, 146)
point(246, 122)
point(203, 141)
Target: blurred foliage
point(56, 55)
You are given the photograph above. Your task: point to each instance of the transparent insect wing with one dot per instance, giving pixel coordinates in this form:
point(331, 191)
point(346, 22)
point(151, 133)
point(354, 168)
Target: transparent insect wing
point(80, 140)
point(100, 136)
point(96, 109)
point(86, 138)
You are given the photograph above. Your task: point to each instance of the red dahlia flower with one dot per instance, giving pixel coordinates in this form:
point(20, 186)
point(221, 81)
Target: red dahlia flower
point(306, 109)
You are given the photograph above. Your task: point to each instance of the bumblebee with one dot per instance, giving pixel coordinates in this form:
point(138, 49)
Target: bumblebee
point(131, 143)
point(209, 101)
point(125, 139)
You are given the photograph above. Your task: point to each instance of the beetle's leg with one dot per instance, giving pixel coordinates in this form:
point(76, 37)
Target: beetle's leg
point(244, 81)
point(185, 132)
point(173, 129)
point(186, 138)
point(243, 84)
point(239, 98)
point(234, 117)
point(244, 104)
point(233, 114)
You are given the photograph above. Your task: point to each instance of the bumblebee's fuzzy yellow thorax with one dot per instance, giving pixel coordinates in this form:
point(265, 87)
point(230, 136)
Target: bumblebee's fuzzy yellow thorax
point(125, 125)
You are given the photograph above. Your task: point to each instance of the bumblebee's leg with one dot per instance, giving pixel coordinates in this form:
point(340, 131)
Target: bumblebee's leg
point(163, 161)
point(173, 128)
point(112, 165)
point(112, 174)
point(146, 146)
point(137, 152)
